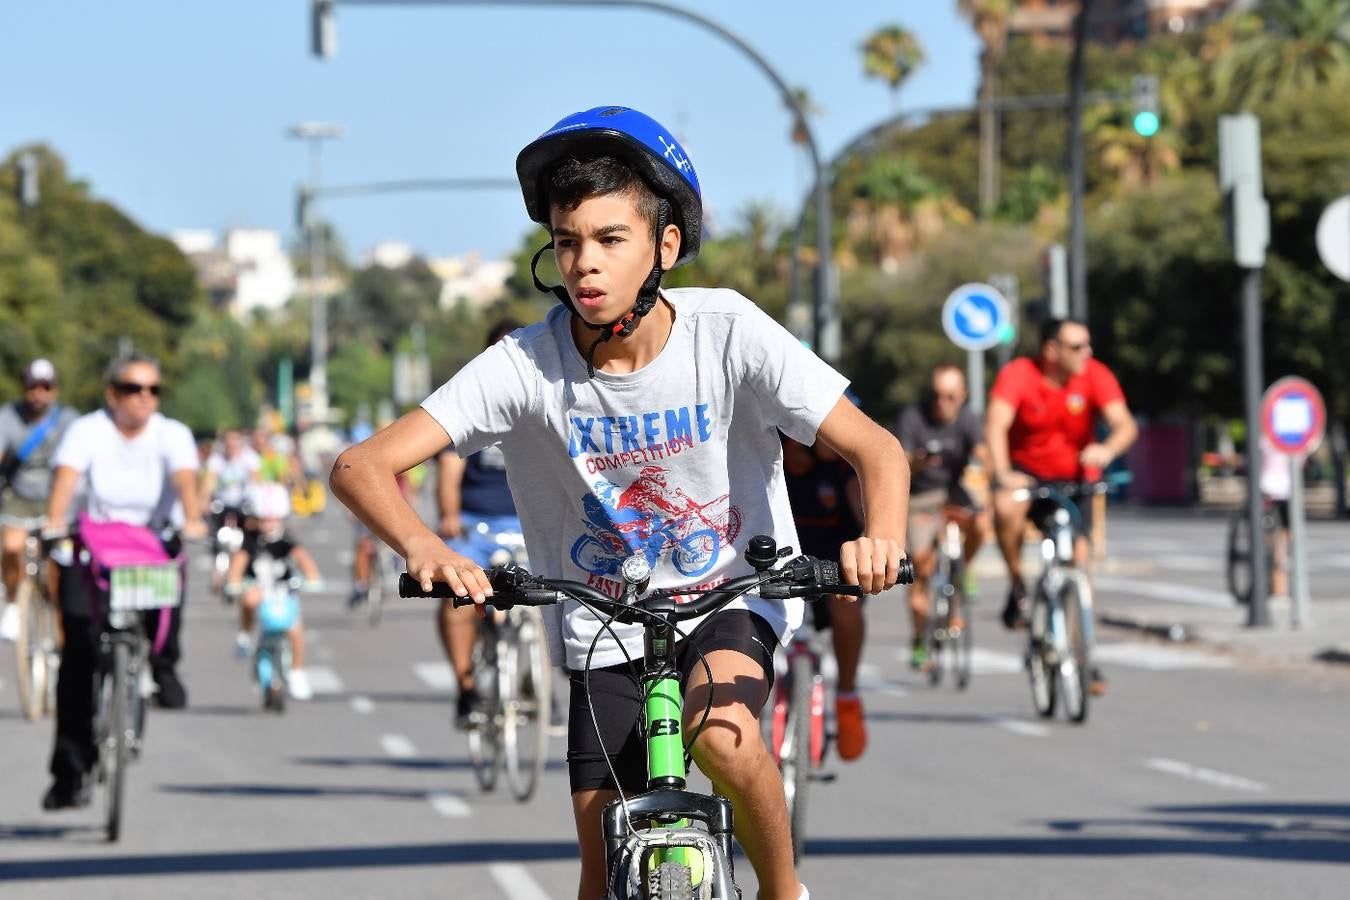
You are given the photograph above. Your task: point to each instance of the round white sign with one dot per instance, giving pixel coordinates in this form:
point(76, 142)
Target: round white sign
point(1333, 237)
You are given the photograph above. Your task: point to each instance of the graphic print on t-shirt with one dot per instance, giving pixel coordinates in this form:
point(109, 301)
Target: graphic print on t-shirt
point(654, 518)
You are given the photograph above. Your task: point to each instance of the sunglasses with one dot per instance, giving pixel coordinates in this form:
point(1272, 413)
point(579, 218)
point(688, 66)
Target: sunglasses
point(33, 385)
point(128, 388)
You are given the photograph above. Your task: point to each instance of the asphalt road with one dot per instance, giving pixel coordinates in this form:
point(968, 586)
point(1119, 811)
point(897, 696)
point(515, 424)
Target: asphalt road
point(1199, 775)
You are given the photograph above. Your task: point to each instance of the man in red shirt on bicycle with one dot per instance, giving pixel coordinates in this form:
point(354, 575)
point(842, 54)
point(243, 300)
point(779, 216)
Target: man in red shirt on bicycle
point(1041, 426)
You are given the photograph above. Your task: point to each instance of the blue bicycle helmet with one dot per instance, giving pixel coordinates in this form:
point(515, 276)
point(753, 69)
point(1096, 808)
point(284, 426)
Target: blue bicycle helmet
point(638, 140)
point(659, 160)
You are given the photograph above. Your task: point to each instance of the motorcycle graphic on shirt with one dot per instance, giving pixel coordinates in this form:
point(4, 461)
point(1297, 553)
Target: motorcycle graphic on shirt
point(654, 519)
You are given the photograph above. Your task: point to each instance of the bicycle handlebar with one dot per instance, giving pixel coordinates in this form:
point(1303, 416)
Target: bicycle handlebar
point(805, 577)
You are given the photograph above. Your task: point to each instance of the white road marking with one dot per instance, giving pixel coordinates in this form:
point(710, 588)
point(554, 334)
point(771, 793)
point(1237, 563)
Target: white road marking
point(1177, 593)
point(324, 680)
point(436, 675)
point(1188, 562)
point(452, 806)
point(362, 704)
point(1205, 776)
point(397, 746)
point(1018, 726)
point(993, 662)
point(516, 882)
point(1157, 656)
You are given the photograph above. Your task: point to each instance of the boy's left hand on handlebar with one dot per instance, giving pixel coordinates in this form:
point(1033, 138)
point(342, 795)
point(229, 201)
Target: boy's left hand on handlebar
point(1096, 456)
point(431, 560)
point(871, 563)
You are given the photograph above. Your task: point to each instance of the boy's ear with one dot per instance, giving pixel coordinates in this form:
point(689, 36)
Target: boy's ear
point(670, 247)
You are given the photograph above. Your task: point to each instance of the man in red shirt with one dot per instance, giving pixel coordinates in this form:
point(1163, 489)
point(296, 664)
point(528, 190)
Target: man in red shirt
point(1041, 427)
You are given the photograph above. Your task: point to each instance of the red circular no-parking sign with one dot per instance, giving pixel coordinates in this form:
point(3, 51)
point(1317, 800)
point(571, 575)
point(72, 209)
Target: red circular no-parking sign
point(1293, 416)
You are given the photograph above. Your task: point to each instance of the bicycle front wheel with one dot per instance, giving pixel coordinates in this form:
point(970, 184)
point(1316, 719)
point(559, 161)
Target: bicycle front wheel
point(960, 636)
point(117, 684)
point(1240, 558)
point(30, 655)
point(484, 733)
point(796, 751)
point(1074, 668)
point(526, 704)
point(1039, 648)
point(670, 881)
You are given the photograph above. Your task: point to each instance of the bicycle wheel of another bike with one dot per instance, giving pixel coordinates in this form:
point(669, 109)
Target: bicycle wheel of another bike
point(1074, 669)
point(796, 752)
point(484, 735)
point(670, 881)
point(1041, 671)
point(29, 658)
point(526, 709)
point(961, 642)
point(115, 744)
point(1240, 558)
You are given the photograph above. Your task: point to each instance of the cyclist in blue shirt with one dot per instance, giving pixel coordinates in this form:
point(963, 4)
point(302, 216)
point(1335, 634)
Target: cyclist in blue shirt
point(475, 509)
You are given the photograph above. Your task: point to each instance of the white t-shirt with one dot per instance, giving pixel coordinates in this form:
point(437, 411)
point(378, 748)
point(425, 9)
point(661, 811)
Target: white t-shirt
point(127, 480)
point(681, 459)
point(1275, 481)
point(233, 475)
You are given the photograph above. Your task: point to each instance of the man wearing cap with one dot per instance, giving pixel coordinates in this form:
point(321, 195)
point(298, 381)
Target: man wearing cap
point(30, 429)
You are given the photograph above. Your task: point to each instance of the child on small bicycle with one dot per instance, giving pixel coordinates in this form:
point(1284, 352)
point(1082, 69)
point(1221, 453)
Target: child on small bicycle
point(268, 544)
point(621, 377)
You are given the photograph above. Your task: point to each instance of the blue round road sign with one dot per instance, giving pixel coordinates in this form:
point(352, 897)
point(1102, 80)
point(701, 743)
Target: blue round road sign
point(1293, 415)
point(974, 316)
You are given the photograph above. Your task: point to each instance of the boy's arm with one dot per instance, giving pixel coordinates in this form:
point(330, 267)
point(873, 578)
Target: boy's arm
point(873, 560)
point(238, 562)
point(306, 563)
point(363, 479)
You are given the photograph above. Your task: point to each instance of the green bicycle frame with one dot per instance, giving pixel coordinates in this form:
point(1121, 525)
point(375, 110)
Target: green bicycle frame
point(663, 731)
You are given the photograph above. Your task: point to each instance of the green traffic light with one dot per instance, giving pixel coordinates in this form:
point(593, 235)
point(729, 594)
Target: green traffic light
point(1146, 123)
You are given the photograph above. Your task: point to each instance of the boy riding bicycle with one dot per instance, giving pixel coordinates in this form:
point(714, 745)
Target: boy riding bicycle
point(619, 378)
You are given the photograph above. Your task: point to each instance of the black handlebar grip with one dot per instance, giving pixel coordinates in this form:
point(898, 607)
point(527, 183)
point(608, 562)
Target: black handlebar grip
point(829, 572)
point(906, 575)
point(409, 586)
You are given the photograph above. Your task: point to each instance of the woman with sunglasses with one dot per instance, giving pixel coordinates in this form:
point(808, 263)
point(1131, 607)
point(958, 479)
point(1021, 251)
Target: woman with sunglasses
point(132, 465)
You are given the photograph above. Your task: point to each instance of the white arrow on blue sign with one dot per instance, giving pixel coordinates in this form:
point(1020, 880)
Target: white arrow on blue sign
point(974, 316)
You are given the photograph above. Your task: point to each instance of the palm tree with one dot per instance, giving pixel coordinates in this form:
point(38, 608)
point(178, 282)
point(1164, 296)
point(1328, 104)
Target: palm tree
point(892, 54)
point(990, 20)
point(1305, 43)
point(809, 108)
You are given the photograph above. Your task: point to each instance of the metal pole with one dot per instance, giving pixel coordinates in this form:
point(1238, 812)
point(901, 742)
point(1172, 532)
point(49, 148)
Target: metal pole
point(1258, 612)
point(1298, 565)
point(1077, 178)
point(318, 328)
point(975, 380)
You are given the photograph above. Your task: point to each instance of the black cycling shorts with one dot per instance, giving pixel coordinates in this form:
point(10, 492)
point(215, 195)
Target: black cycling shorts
point(616, 699)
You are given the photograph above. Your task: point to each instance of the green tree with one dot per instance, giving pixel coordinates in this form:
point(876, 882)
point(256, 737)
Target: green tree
point(892, 53)
point(1305, 44)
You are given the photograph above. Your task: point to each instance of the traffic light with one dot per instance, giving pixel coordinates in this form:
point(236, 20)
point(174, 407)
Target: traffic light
point(1144, 91)
point(323, 28)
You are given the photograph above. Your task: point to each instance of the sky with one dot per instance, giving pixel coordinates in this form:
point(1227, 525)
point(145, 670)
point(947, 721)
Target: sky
point(177, 112)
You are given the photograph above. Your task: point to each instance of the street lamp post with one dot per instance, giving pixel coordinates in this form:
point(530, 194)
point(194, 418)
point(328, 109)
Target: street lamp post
point(323, 16)
point(316, 133)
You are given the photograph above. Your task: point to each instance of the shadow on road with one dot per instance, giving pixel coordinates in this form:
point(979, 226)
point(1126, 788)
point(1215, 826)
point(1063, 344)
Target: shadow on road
point(272, 791)
point(290, 860)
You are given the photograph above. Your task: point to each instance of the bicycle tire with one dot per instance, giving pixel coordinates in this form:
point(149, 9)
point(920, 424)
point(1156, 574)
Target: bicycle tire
point(484, 737)
point(116, 742)
point(963, 641)
point(529, 706)
point(796, 756)
point(1039, 669)
point(1240, 575)
point(670, 881)
point(29, 682)
point(1074, 670)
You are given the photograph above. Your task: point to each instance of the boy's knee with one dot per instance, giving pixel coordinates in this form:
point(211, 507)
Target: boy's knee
point(729, 745)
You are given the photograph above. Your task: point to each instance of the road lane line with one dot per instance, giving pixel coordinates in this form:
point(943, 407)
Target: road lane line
point(1017, 726)
point(397, 746)
point(452, 806)
point(436, 675)
point(1178, 593)
point(323, 679)
point(362, 704)
point(516, 882)
point(1205, 776)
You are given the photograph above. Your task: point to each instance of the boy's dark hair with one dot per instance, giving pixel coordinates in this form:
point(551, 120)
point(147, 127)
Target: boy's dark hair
point(1050, 328)
point(501, 330)
point(579, 177)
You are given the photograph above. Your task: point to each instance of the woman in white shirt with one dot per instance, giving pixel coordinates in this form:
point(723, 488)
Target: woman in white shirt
point(129, 464)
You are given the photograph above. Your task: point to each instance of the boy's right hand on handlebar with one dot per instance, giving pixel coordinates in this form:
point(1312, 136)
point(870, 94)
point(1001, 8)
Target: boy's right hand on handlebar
point(429, 560)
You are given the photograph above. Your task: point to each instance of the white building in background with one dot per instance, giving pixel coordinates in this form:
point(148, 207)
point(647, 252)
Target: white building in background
point(470, 278)
point(247, 269)
point(390, 254)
